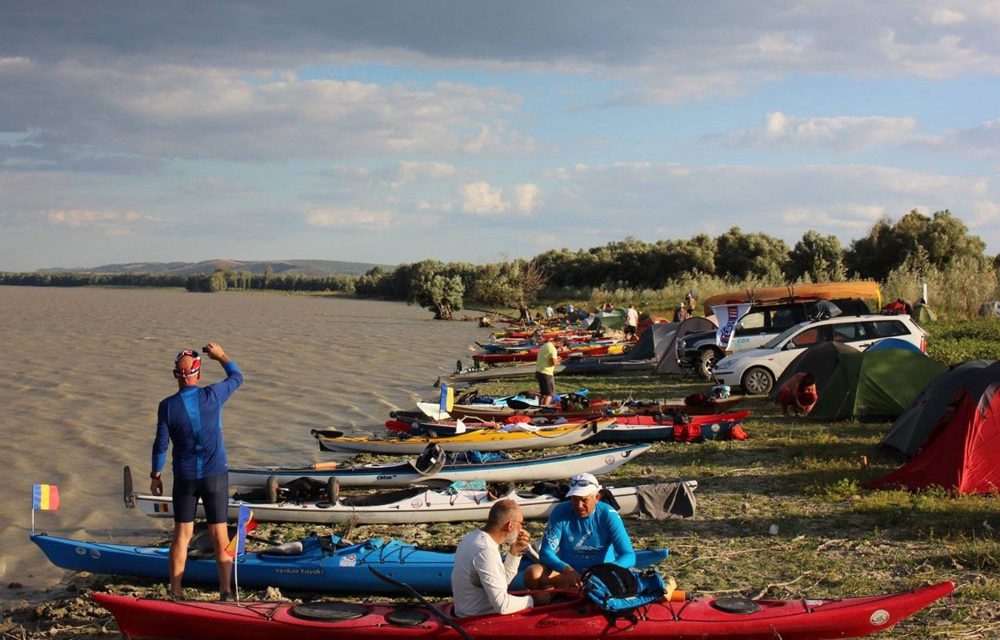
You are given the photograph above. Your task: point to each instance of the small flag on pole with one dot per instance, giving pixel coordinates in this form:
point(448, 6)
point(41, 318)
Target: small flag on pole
point(244, 525)
point(447, 398)
point(45, 497)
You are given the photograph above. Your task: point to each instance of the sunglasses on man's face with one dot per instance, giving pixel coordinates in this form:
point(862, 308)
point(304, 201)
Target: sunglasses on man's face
point(582, 483)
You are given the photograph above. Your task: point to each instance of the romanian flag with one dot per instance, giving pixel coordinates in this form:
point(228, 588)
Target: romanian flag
point(45, 497)
point(244, 525)
point(447, 398)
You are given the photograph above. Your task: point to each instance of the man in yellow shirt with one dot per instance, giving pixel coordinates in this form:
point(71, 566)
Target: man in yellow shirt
point(545, 372)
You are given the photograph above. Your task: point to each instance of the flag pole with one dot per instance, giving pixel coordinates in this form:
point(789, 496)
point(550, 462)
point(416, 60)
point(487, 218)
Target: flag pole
point(236, 564)
point(236, 556)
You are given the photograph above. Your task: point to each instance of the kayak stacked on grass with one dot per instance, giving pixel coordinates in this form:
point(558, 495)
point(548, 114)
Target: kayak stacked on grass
point(434, 467)
point(667, 428)
point(324, 563)
point(594, 409)
point(569, 617)
point(672, 427)
point(519, 437)
point(420, 505)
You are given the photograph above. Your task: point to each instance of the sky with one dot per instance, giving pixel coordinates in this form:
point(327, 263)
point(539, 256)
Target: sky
point(391, 132)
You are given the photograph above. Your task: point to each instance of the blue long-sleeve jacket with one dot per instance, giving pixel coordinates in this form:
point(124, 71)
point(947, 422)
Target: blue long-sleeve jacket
point(192, 420)
point(581, 543)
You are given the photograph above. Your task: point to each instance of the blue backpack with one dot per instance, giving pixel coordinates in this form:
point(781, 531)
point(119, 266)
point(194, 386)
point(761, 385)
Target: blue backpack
point(619, 591)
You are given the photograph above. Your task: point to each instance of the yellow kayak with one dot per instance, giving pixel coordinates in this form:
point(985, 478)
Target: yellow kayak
point(522, 436)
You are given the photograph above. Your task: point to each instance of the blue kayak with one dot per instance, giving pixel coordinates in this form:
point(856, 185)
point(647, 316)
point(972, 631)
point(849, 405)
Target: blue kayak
point(312, 564)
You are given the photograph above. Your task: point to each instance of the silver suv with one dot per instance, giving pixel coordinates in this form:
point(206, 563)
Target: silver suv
point(756, 370)
point(698, 352)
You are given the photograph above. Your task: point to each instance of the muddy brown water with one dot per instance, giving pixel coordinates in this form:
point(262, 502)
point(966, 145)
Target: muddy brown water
point(84, 370)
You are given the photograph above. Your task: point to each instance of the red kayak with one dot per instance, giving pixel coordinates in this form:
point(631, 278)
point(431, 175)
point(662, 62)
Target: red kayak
point(569, 618)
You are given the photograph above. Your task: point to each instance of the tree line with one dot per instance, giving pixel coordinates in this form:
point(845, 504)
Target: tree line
point(220, 280)
point(934, 242)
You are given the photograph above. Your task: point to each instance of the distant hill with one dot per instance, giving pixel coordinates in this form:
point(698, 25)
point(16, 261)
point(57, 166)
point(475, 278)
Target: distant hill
point(279, 267)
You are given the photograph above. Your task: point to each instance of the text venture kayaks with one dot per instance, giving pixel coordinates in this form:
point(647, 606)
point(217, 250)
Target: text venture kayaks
point(311, 564)
point(481, 440)
point(570, 619)
point(553, 467)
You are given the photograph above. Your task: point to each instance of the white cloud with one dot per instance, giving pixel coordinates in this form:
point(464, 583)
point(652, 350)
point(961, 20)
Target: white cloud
point(782, 201)
point(942, 57)
point(985, 212)
point(666, 51)
point(354, 218)
point(112, 223)
point(409, 171)
point(192, 112)
point(944, 17)
point(842, 133)
point(481, 199)
point(984, 139)
point(525, 196)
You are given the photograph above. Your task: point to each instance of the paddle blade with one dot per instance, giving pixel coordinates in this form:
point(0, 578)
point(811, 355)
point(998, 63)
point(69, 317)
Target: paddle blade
point(128, 492)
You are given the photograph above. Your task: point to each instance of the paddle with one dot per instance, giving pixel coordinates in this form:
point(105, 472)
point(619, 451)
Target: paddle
point(413, 592)
point(128, 492)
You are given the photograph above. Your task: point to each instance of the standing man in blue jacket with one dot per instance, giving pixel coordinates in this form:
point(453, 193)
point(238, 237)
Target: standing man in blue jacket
point(581, 532)
point(192, 420)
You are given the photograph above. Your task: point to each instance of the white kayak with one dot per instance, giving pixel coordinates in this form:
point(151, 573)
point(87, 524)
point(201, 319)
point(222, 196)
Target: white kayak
point(408, 506)
point(432, 469)
point(522, 436)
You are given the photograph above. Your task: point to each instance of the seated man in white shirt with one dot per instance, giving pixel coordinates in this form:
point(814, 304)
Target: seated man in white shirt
point(480, 576)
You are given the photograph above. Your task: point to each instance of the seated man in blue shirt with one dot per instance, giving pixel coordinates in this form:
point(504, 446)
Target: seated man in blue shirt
point(581, 533)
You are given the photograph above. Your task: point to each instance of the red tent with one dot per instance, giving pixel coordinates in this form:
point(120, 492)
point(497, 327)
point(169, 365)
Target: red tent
point(962, 453)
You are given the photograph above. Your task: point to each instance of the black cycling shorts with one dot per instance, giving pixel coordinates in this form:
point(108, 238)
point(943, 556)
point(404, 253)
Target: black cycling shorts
point(214, 494)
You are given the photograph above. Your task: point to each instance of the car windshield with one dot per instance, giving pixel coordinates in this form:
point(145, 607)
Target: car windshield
point(781, 337)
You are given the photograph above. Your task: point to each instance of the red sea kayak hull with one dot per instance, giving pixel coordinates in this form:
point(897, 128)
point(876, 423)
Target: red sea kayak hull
point(142, 619)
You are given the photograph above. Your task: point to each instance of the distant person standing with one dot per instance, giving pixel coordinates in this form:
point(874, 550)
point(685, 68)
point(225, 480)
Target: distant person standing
point(691, 302)
point(191, 419)
point(569, 309)
point(549, 312)
point(545, 372)
point(631, 323)
point(681, 313)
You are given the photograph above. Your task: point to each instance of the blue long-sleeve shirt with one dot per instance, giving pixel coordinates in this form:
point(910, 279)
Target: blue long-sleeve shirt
point(192, 420)
point(581, 543)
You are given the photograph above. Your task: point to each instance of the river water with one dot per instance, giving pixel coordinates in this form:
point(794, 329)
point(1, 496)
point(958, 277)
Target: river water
point(84, 370)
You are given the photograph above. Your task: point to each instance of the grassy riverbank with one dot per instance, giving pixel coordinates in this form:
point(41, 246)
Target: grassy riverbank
point(834, 538)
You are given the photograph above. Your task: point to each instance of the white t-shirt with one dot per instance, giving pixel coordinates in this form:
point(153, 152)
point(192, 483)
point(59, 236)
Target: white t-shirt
point(480, 577)
point(632, 317)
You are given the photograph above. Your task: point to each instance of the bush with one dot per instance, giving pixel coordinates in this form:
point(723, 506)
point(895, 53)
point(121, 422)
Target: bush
point(955, 341)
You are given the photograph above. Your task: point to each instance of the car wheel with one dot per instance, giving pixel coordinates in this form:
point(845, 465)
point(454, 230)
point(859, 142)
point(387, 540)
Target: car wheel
point(757, 381)
point(706, 363)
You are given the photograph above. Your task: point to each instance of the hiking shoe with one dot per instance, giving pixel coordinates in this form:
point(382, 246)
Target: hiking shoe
point(226, 596)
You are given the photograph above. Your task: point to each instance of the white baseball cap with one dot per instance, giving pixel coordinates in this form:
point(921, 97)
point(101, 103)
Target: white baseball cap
point(583, 484)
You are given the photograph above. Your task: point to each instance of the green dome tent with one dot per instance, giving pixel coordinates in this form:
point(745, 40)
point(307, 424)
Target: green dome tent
point(613, 320)
point(855, 384)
